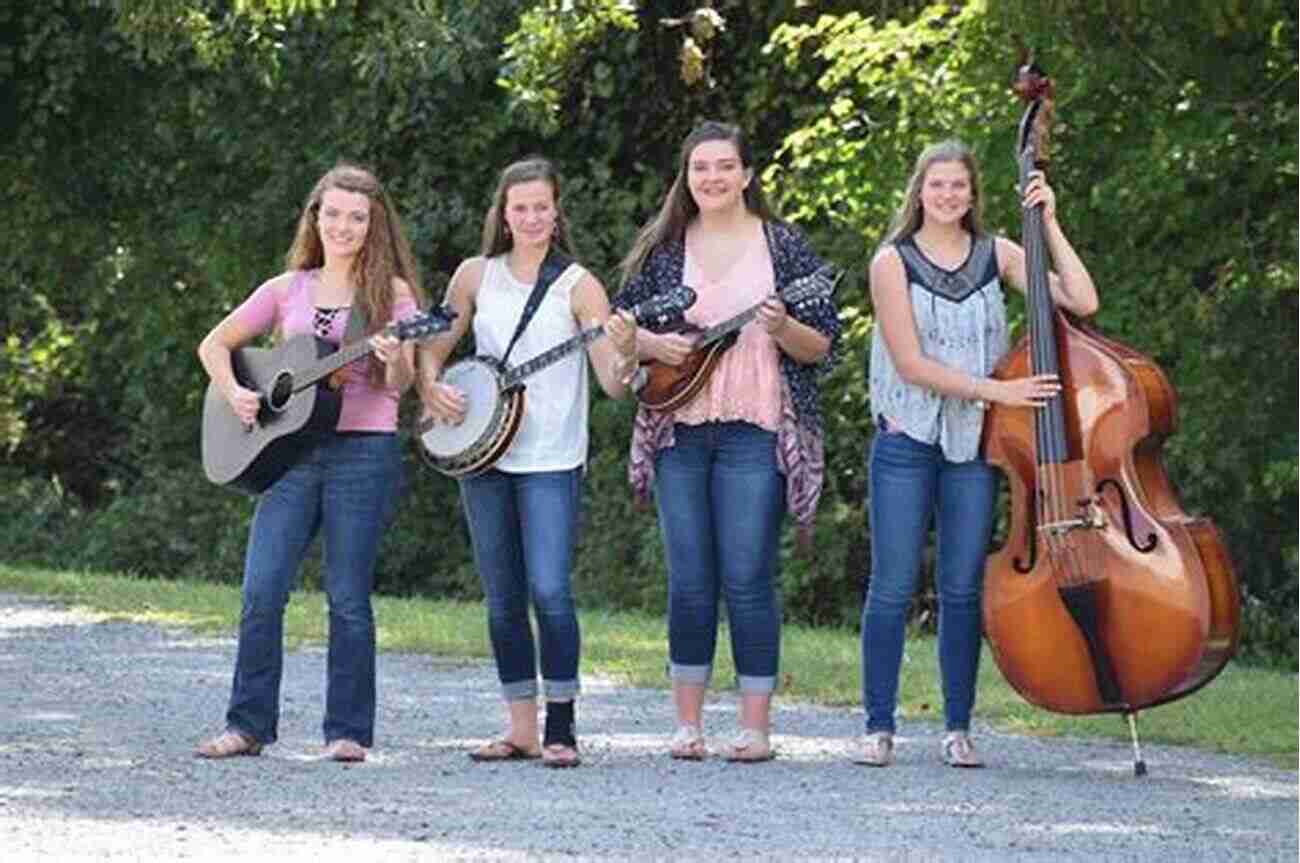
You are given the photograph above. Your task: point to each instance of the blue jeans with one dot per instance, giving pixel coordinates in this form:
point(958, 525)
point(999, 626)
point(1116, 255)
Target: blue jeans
point(345, 488)
point(721, 499)
point(523, 527)
point(910, 482)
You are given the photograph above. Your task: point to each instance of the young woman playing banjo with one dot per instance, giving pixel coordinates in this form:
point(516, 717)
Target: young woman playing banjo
point(523, 511)
point(725, 465)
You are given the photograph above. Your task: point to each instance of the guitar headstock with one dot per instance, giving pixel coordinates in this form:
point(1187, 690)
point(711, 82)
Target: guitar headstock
point(820, 284)
point(424, 325)
point(665, 311)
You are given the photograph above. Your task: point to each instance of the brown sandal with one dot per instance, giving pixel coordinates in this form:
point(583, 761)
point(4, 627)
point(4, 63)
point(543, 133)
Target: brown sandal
point(560, 755)
point(228, 744)
point(502, 750)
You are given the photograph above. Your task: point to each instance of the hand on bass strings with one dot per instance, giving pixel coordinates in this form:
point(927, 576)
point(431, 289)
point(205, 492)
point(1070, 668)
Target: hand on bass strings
point(1038, 192)
point(1028, 392)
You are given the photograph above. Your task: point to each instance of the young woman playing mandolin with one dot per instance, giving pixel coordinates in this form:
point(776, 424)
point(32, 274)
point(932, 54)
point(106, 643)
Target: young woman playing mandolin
point(936, 285)
point(523, 511)
point(727, 463)
point(349, 256)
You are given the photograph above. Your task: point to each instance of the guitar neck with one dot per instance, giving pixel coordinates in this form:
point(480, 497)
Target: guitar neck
point(327, 366)
point(515, 374)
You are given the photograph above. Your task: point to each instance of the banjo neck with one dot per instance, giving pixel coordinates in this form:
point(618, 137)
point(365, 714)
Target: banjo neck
point(516, 373)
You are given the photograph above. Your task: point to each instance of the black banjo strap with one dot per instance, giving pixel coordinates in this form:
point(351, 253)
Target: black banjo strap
point(552, 266)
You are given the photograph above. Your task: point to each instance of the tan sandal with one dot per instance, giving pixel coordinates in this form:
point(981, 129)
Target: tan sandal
point(958, 751)
point(345, 750)
point(877, 750)
point(503, 750)
point(688, 744)
point(751, 746)
point(228, 744)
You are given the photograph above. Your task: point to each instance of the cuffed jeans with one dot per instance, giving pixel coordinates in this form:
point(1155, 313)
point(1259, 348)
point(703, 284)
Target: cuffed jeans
point(523, 527)
point(345, 488)
point(721, 498)
point(911, 481)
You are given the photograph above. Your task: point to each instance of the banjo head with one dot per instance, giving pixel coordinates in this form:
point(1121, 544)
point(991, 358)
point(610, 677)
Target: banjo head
point(481, 385)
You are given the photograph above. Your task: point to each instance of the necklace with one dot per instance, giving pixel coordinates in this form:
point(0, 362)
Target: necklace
point(944, 261)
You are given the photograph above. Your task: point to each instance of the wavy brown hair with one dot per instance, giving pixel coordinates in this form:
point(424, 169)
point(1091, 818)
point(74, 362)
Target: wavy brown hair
point(496, 239)
point(909, 216)
point(385, 255)
point(679, 208)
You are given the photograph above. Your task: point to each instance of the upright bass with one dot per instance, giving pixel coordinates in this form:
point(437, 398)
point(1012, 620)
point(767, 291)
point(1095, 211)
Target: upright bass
point(1106, 596)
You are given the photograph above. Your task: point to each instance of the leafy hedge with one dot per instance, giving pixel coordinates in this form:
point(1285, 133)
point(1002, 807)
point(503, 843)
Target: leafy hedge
point(161, 149)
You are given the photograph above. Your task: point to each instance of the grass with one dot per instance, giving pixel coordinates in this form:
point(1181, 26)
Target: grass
point(1245, 711)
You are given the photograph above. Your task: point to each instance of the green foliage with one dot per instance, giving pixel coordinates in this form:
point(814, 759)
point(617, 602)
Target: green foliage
point(160, 150)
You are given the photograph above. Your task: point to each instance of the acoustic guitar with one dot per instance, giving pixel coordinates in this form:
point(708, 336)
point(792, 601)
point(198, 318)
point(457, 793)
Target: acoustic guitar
point(668, 387)
point(298, 398)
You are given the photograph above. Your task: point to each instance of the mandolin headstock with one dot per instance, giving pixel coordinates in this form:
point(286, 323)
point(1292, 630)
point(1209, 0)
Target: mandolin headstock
point(666, 311)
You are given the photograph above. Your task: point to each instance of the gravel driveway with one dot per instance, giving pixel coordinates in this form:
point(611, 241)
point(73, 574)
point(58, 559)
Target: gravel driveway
point(98, 721)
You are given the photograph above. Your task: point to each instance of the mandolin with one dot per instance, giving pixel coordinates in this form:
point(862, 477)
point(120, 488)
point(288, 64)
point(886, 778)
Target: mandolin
point(668, 387)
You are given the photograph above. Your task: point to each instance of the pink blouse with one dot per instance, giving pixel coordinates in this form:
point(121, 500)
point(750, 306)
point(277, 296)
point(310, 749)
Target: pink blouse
point(288, 310)
point(746, 384)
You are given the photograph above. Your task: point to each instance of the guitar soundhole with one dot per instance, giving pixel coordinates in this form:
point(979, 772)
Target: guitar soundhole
point(281, 389)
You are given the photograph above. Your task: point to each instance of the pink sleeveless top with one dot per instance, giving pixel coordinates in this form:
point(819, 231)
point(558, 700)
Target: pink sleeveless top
point(288, 310)
point(746, 384)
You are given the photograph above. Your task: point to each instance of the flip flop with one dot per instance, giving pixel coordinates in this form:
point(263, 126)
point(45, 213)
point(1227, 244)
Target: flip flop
point(502, 750)
point(228, 744)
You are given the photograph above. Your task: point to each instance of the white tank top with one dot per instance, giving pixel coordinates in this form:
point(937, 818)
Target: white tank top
point(553, 434)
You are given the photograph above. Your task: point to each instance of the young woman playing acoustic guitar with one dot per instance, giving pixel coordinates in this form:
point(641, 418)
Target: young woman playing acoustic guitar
point(523, 511)
point(349, 253)
point(725, 464)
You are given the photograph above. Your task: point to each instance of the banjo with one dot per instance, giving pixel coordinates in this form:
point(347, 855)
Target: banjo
point(494, 396)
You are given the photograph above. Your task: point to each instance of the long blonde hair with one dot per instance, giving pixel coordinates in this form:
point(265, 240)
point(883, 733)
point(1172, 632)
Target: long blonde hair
point(385, 254)
point(678, 208)
point(909, 216)
point(496, 236)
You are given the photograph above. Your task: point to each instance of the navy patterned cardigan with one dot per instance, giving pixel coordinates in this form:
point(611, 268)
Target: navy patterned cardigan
point(800, 448)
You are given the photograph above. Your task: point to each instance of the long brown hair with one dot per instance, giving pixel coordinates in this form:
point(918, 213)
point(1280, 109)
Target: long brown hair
point(909, 216)
point(679, 207)
point(385, 254)
point(496, 235)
